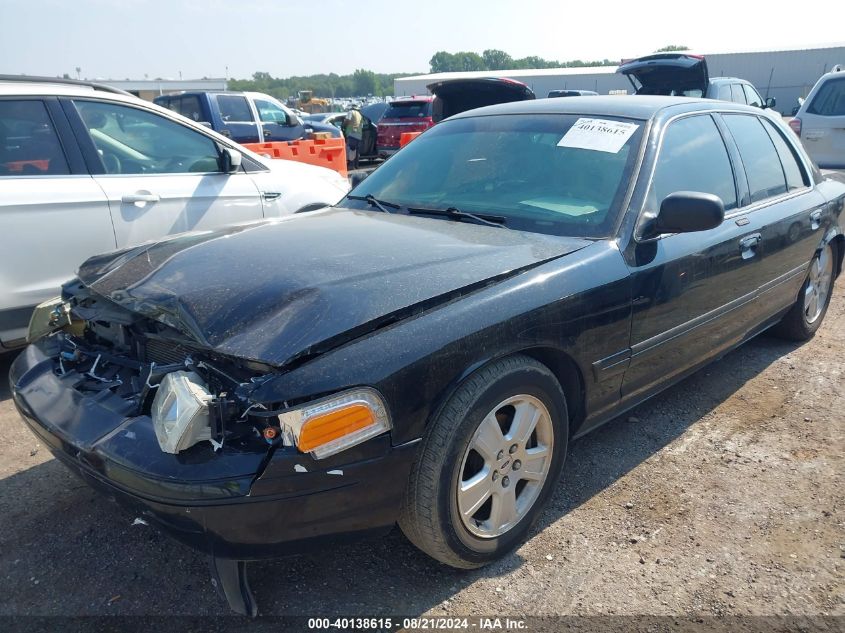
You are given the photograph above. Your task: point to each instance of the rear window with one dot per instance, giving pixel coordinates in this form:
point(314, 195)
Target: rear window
point(830, 99)
point(233, 108)
point(28, 143)
point(408, 110)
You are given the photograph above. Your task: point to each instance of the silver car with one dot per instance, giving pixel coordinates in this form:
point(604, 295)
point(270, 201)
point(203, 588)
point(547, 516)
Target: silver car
point(820, 121)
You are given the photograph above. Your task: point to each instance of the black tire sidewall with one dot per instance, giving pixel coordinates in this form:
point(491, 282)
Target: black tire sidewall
point(526, 380)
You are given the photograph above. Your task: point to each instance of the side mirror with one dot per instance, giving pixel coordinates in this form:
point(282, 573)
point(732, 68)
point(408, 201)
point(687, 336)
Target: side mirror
point(688, 212)
point(292, 120)
point(357, 178)
point(771, 102)
point(230, 160)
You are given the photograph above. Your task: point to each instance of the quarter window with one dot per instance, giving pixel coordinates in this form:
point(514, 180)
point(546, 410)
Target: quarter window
point(234, 108)
point(725, 92)
point(759, 157)
point(693, 157)
point(791, 167)
point(133, 141)
point(29, 145)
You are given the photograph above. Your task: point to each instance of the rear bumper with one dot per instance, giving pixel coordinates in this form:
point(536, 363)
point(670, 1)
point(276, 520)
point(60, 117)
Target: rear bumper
point(244, 516)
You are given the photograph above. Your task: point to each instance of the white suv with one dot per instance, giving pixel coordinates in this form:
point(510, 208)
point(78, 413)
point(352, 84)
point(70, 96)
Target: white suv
point(86, 169)
point(820, 121)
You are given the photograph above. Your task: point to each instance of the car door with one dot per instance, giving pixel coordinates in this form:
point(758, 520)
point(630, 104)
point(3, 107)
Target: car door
point(276, 124)
point(53, 215)
point(692, 291)
point(236, 118)
point(781, 202)
point(160, 176)
point(823, 124)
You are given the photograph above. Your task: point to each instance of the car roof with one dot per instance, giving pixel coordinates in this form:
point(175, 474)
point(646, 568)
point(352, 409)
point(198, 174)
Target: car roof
point(631, 106)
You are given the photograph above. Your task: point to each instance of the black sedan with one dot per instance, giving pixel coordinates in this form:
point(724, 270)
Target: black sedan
point(424, 352)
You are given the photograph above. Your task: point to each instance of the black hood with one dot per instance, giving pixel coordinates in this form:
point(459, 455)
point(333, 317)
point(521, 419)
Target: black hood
point(667, 74)
point(279, 290)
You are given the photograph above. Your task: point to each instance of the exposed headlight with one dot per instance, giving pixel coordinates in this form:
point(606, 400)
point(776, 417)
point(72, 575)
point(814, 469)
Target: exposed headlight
point(328, 426)
point(48, 317)
point(180, 411)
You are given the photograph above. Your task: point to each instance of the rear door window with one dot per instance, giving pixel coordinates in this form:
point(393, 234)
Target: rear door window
point(752, 96)
point(737, 95)
point(190, 107)
point(830, 99)
point(759, 156)
point(234, 108)
point(724, 92)
point(408, 110)
point(693, 157)
point(29, 145)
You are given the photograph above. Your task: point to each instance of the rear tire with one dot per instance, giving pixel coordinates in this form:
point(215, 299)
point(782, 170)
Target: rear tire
point(807, 313)
point(488, 463)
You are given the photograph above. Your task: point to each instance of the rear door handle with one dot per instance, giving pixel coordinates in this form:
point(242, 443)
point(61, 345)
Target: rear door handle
point(748, 245)
point(816, 219)
point(140, 196)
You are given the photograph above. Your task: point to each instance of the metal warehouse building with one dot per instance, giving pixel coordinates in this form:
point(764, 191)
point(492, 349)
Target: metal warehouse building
point(783, 74)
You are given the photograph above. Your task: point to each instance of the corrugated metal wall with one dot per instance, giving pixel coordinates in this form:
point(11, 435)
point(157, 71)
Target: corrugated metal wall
point(785, 75)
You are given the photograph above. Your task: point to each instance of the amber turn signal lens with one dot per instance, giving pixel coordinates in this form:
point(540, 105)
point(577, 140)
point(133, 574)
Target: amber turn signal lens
point(327, 427)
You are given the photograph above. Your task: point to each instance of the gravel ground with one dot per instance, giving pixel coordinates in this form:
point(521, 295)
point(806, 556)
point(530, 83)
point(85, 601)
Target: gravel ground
point(722, 496)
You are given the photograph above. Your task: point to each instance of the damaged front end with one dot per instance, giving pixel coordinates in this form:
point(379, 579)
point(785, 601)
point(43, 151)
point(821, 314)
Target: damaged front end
point(172, 430)
point(142, 367)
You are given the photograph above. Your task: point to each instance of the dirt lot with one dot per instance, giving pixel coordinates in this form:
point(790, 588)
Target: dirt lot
point(722, 496)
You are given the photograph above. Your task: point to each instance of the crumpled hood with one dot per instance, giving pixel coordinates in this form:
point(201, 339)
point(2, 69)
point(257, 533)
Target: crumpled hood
point(279, 290)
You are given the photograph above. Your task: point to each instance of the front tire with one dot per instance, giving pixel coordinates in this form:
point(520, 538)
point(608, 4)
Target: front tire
point(488, 464)
point(806, 314)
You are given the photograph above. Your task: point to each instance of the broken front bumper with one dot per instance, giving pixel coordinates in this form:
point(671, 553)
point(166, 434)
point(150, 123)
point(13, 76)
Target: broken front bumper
point(231, 503)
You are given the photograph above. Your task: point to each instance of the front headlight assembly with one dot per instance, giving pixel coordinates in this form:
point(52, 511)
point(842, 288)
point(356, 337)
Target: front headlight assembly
point(180, 411)
point(333, 424)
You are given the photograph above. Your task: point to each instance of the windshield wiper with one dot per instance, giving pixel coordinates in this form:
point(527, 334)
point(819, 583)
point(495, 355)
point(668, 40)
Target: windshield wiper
point(454, 213)
point(381, 205)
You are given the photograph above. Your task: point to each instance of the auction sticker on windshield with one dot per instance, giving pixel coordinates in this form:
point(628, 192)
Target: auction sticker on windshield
point(598, 134)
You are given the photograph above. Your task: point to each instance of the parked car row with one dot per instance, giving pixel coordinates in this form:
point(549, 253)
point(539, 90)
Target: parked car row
point(86, 169)
point(423, 352)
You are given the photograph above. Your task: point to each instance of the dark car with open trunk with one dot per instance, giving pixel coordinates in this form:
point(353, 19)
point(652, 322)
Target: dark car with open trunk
point(425, 351)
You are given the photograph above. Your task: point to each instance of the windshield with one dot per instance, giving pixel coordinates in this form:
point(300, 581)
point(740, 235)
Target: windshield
point(526, 168)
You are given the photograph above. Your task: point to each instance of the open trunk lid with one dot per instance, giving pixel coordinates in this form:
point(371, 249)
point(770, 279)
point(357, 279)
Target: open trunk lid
point(458, 95)
point(674, 74)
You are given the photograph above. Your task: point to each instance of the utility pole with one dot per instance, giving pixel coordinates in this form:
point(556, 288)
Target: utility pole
point(78, 72)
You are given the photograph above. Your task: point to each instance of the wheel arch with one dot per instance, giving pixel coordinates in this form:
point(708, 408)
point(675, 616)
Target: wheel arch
point(562, 365)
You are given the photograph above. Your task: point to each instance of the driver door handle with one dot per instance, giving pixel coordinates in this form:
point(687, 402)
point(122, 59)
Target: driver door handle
point(748, 245)
point(140, 196)
point(267, 133)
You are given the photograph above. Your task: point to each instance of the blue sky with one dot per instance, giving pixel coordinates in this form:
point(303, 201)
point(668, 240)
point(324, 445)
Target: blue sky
point(120, 39)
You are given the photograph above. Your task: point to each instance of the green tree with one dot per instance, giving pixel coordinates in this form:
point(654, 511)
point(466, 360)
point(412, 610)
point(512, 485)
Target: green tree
point(468, 61)
point(672, 47)
point(442, 62)
point(496, 60)
point(365, 82)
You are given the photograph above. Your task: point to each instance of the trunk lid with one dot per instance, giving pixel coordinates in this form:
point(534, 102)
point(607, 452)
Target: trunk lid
point(459, 95)
point(679, 74)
